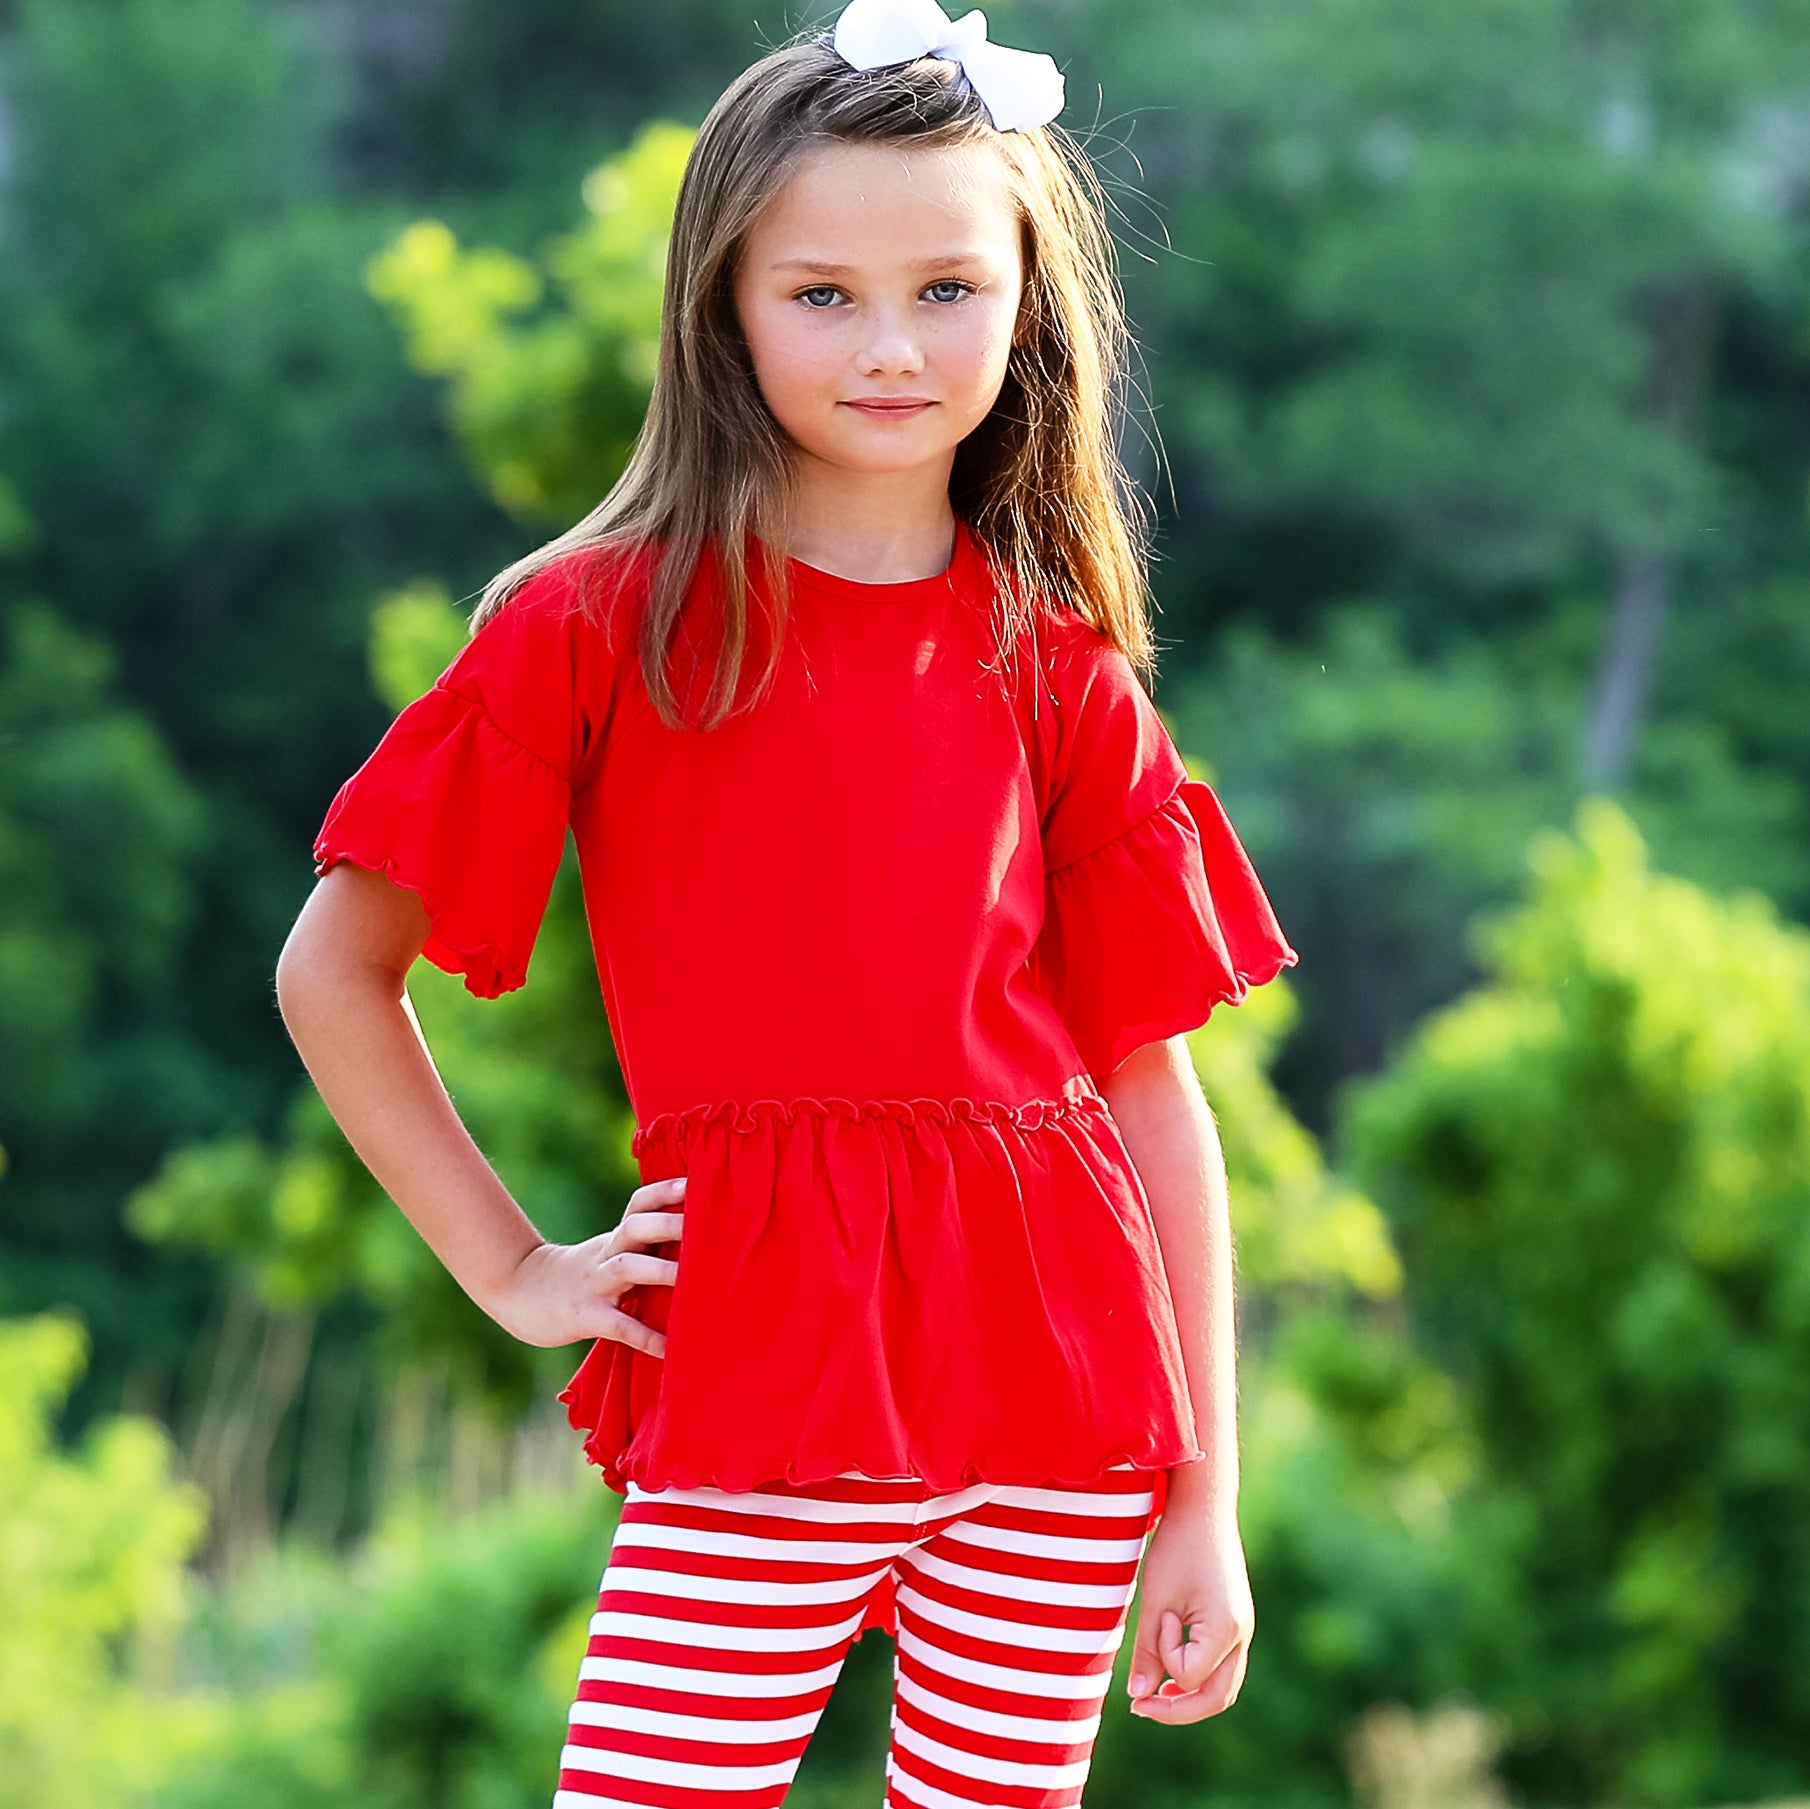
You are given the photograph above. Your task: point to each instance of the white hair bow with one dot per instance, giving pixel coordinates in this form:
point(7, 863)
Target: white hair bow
point(1021, 88)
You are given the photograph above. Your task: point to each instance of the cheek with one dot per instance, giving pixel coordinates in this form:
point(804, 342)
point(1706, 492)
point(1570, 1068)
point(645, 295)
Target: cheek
point(983, 343)
point(785, 348)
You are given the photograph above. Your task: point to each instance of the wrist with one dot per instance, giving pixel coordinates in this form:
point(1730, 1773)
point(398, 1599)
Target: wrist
point(1204, 1490)
point(494, 1296)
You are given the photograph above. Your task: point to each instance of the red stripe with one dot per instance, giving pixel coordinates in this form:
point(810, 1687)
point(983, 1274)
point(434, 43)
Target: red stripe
point(680, 1750)
point(1005, 1701)
point(1011, 1656)
point(650, 1651)
point(992, 1746)
point(778, 1525)
point(1069, 1526)
point(1020, 1611)
point(1014, 1566)
point(723, 1707)
point(968, 1790)
point(640, 1791)
point(801, 1615)
point(748, 1569)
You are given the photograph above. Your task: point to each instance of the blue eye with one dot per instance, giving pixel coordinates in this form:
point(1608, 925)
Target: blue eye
point(963, 289)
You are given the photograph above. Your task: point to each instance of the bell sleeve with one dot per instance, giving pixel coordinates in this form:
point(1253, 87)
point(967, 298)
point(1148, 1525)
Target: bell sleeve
point(1153, 913)
point(465, 801)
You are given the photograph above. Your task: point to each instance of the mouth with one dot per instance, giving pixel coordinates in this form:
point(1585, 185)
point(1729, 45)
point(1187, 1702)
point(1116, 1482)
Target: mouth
point(889, 411)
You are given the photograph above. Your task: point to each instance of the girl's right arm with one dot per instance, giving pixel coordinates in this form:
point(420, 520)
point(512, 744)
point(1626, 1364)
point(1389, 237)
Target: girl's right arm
point(340, 989)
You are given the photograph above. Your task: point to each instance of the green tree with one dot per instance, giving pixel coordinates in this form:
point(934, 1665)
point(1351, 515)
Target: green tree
point(433, 1671)
point(100, 833)
point(548, 407)
point(1456, 300)
point(212, 455)
point(1597, 1167)
point(92, 1547)
point(1387, 796)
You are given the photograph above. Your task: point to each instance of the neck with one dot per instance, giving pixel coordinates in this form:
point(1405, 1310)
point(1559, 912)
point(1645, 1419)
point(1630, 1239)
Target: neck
point(879, 527)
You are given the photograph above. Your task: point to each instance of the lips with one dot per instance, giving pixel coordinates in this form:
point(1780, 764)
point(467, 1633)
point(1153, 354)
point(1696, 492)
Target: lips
point(890, 410)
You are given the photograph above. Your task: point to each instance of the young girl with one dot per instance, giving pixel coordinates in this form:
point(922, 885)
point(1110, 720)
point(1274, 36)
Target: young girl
point(902, 901)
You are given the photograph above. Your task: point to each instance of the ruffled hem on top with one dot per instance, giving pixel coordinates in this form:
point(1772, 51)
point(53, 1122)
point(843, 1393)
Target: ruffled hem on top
point(455, 810)
point(1145, 936)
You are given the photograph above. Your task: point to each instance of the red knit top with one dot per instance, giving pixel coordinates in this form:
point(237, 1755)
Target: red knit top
point(864, 954)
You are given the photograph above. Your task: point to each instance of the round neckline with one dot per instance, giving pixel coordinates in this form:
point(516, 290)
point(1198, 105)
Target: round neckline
point(905, 590)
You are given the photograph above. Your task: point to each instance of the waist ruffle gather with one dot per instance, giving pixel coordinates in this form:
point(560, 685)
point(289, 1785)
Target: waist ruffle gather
point(742, 1119)
point(956, 1290)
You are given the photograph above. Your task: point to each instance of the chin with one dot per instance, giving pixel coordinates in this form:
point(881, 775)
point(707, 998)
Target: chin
point(876, 458)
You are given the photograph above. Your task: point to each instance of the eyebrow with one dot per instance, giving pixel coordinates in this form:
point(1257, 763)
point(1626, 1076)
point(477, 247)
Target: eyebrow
point(936, 263)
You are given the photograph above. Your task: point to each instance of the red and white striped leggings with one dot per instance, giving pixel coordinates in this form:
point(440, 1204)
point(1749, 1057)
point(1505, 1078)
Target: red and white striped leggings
point(723, 1621)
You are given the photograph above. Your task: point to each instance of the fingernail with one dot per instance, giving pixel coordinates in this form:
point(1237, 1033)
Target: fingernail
point(1139, 1685)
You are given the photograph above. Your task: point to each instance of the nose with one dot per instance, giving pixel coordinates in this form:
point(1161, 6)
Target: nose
point(891, 343)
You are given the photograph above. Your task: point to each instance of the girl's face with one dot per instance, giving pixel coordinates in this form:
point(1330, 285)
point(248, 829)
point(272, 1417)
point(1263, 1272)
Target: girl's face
point(883, 272)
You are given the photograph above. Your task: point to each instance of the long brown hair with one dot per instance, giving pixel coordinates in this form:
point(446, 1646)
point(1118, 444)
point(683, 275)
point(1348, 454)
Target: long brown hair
point(1039, 482)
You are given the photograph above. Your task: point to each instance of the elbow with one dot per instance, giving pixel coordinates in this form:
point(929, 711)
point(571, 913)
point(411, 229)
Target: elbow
point(296, 975)
point(356, 931)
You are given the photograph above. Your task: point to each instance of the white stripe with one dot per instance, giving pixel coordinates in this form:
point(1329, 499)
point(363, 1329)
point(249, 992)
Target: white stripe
point(683, 1726)
point(985, 1770)
point(1046, 1545)
point(1009, 1633)
point(660, 1537)
point(904, 1785)
point(1001, 1677)
point(703, 1633)
point(707, 1683)
point(675, 1771)
point(1076, 1501)
point(789, 1507)
point(1009, 1586)
point(713, 1590)
point(958, 1501)
point(993, 1721)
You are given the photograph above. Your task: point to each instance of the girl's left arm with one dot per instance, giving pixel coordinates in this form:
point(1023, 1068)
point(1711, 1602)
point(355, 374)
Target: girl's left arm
point(1194, 1571)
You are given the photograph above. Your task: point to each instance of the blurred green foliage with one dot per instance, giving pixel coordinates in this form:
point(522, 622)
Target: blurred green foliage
point(1467, 330)
point(436, 1675)
point(1598, 1169)
point(548, 408)
point(92, 1547)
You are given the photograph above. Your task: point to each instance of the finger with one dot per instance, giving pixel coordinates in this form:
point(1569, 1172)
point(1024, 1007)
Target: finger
point(658, 1196)
point(1146, 1661)
point(1170, 1643)
point(1193, 1662)
point(1177, 1706)
point(649, 1228)
point(625, 1328)
point(627, 1270)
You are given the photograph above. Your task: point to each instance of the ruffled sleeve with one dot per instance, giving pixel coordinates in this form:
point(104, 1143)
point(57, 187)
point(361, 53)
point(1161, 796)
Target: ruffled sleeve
point(465, 800)
point(1153, 912)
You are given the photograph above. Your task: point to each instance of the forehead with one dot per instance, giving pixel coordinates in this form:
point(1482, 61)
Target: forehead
point(868, 199)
